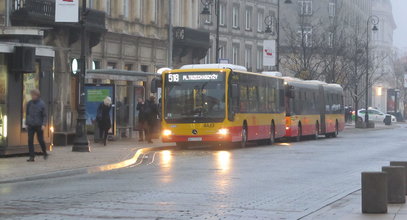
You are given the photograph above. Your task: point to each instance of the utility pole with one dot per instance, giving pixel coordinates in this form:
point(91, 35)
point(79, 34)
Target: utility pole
point(81, 142)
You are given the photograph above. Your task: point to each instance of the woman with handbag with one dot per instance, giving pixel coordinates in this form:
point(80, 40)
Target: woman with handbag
point(103, 118)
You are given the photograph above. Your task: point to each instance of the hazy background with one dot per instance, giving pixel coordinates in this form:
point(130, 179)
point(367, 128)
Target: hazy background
point(400, 15)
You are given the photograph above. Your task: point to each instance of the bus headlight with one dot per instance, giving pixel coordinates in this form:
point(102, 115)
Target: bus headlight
point(167, 132)
point(223, 131)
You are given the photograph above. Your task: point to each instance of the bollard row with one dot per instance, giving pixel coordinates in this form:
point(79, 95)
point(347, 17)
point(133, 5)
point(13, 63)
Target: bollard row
point(382, 188)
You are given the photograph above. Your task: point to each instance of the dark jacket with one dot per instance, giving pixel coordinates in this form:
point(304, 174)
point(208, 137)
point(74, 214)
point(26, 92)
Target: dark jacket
point(140, 109)
point(150, 111)
point(103, 116)
point(36, 114)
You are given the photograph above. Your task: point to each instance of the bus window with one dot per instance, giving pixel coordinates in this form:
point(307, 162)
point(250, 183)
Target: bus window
point(253, 98)
point(244, 101)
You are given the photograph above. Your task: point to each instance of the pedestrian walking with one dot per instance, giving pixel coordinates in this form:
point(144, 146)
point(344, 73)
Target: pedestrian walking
point(141, 119)
point(150, 115)
point(103, 118)
point(36, 119)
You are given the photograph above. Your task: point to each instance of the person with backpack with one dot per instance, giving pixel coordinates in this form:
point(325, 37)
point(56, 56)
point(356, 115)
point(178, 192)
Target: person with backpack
point(103, 118)
point(150, 115)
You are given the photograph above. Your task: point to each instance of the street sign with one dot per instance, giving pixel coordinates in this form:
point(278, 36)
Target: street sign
point(269, 53)
point(67, 11)
point(405, 80)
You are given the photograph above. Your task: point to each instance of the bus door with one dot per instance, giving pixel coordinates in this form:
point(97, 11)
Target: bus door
point(322, 109)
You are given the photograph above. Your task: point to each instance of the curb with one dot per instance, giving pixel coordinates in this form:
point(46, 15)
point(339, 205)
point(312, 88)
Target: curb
point(89, 170)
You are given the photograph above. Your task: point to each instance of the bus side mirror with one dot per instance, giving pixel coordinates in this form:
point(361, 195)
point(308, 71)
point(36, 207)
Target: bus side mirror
point(155, 84)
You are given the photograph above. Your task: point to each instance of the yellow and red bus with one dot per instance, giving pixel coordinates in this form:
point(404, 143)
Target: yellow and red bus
point(218, 104)
point(313, 108)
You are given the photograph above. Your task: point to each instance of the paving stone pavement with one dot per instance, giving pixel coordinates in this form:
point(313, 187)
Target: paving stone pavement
point(286, 181)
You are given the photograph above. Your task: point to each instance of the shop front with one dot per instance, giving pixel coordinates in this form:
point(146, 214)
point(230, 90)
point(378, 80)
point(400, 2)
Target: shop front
point(23, 67)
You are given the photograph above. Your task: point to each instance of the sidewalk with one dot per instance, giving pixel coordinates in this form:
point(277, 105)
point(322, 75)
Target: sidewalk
point(349, 208)
point(63, 159)
point(378, 126)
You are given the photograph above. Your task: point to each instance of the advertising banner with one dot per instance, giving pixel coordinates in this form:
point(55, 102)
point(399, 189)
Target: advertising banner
point(67, 11)
point(269, 53)
point(95, 94)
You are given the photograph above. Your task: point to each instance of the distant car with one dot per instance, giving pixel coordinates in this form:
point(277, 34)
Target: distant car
point(374, 115)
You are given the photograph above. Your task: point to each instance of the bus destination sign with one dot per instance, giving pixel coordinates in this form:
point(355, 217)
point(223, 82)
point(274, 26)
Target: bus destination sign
point(194, 77)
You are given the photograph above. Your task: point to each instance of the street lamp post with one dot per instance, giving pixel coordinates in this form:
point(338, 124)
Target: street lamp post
point(372, 20)
point(269, 22)
point(81, 142)
point(206, 11)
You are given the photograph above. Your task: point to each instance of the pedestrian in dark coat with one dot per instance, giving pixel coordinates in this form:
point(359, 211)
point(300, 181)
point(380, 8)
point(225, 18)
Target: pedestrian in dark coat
point(103, 118)
point(36, 120)
point(150, 112)
point(141, 119)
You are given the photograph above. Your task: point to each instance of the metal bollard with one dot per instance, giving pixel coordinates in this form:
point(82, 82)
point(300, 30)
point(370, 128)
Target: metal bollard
point(374, 192)
point(403, 164)
point(396, 181)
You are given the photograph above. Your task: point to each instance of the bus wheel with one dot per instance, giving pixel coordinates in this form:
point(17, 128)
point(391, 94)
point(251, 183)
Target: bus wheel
point(243, 144)
point(299, 134)
point(272, 135)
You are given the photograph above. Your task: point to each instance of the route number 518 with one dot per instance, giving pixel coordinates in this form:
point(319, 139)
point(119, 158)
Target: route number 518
point(173, 78)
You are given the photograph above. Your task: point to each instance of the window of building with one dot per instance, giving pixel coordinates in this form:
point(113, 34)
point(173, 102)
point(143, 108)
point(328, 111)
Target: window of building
point(111, 65)
point(259, 57)
point(332, 8)
point(222, 51)
point(305, 36)
point(108, 7)
point(154, 10)
point(248, 57)
point(331, 39)
point(235, 16)
point(248, 18)
point(90, 3)
point(96, 65)
point(235, 54)
point(126, 8)
point(144, 68)
point(305, 7)
point(128, 67)
point(208, 57)
point(222, 14)
point(139, 9)
point(260, 21)
point(208, 18)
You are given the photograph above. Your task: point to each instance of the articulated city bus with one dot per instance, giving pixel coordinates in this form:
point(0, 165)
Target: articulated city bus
point(221, 104)
point(313, 108)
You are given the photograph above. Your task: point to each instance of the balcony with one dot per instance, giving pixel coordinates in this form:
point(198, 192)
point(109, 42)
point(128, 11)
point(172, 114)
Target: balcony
point(42, 13)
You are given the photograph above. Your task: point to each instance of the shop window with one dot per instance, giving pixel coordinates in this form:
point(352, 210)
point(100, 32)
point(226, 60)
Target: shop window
point(30, 81)
point(3, 99)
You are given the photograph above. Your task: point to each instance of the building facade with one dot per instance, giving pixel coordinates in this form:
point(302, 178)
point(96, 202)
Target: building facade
point(242, 31)
point(384, 55)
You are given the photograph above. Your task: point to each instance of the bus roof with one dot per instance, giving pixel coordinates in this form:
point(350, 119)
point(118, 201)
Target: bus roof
point(214, 66)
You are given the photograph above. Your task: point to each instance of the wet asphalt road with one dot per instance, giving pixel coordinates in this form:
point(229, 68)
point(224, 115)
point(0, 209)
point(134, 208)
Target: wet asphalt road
point(285, 181)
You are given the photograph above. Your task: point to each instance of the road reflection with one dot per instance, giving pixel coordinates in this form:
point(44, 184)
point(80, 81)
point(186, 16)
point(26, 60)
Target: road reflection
point(223, 161)
point(165, 162)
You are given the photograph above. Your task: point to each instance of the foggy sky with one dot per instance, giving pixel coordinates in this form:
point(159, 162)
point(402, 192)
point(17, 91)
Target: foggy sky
point(400, 15)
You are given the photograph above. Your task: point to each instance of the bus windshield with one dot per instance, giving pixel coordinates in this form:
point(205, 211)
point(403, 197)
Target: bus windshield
point(194, 97)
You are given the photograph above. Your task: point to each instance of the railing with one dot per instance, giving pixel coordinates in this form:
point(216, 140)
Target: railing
point(39, 7)
point(42, 12)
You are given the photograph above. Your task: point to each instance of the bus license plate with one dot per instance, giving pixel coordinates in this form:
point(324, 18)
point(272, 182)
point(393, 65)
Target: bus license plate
point(195, 139)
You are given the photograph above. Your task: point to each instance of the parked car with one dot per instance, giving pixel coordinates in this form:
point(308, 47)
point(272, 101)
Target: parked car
point(375, 115)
